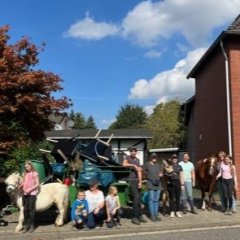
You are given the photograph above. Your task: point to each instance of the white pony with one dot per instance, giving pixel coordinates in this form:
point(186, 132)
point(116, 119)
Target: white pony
point(49, 194)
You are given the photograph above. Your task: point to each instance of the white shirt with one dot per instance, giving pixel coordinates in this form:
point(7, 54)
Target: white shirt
point(94, 199)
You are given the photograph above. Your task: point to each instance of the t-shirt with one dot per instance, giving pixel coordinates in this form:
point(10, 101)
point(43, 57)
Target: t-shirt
point(112, 202)
point(187, 168)
point(78, 207)
point(29, 182)
point(135, 161)
point(94, 199)
point(152, 173)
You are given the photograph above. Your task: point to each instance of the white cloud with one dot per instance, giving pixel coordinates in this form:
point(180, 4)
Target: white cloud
point(88, 29)
point(169, 84)
point(148, 22)
point(153, 54)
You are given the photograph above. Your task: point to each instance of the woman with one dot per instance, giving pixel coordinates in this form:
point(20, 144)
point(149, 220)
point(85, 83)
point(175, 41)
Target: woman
point(29, 187)
point(227, 171)
point(153, 172)
point(95, 199)
point(175, 184)
point(220, 156)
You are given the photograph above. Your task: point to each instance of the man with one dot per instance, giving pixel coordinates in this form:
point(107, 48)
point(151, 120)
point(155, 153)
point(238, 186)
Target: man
point(189, 182)
point(135, 181)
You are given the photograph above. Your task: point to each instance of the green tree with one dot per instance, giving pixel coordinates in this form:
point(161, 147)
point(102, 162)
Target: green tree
point(166, 126)
point(90, 123)
point(130, 116)
point(79, 121)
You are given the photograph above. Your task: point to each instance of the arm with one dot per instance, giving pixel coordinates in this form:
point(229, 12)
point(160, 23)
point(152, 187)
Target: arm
point(73, 212)
point(37, 183)
point(107, 210)
point(127, 164)
point(235, 177)
point(193, 177)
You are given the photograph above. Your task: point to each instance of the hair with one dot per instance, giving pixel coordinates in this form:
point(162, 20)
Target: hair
point(28, 162)
point(222, 152)
point(81, 191)
point(111, 189)
point(186, 153)
point(231, 165)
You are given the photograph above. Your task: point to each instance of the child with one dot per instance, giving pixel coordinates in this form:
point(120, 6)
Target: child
point(29, 186)
point(79, 210)
point(113, 208)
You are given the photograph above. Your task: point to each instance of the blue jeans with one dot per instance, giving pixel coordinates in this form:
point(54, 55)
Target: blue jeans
point(153, 202)
point(187, 194)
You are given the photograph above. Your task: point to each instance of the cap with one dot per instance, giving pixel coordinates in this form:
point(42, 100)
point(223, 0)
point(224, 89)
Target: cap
point(153, 155)
point(174, 156)
point(133, 149)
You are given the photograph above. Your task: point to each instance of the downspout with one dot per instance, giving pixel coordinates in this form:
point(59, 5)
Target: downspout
point(228, 99)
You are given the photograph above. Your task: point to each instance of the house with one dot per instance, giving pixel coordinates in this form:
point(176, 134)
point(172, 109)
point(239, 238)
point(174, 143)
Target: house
point(212, 116)
point(121, 140)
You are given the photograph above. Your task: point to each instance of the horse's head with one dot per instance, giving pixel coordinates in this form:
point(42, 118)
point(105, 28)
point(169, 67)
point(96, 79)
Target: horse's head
point(168, 168)
point(212, 165)
point(12, 182)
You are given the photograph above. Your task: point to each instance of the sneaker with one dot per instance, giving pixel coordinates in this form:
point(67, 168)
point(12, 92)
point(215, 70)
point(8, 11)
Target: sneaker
point(153, 218)
point(172, 215)
point(178, 214)
point(193, 211)
point(229, 212)
point(135, 221)
point(158, 218)
point(142, 219)
point(226, 212)
point(234, 210)
point(184, 211)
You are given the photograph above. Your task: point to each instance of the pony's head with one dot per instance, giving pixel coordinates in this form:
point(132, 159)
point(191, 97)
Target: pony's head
point(12, 182)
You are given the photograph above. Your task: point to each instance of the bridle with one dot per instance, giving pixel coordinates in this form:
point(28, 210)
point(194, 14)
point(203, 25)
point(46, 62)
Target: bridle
point(213, 166)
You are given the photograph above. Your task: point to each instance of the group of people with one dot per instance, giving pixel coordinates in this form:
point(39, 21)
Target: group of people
point(180, 177)
point(91, 208)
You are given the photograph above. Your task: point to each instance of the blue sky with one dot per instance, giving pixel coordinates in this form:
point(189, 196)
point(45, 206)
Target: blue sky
point(113, 52)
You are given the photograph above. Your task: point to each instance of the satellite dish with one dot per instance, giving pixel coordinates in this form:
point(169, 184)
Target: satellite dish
point(58, 127)
point(70, 123)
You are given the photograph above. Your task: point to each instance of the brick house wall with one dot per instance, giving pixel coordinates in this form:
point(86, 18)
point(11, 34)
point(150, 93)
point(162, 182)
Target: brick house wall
point(234, 69)
point(210, 110)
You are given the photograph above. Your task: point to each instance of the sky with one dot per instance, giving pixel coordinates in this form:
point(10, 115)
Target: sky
point(115, 52)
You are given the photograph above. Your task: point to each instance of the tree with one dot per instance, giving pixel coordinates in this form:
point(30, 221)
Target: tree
point(130, 116)
point(166, 125)
point(90, 124)
point(79, 121)
point(26, 99)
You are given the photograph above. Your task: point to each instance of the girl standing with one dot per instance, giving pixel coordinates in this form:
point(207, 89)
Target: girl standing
point(29, 186)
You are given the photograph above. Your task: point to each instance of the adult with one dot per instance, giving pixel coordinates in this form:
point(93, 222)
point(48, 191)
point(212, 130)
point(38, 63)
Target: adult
point(29, 186)
point(227, 172)
point(189, 183)
point(153, 173)
point(220, 156)
point(175, 184)
point(135, 184)
point(95, 199)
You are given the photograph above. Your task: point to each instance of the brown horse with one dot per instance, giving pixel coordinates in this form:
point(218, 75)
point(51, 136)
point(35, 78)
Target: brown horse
point(206, 172)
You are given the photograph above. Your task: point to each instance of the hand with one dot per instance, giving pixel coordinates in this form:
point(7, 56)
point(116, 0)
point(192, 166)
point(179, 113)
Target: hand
point(139, 185)
point(114, 211)
point(182, 187)
point(108, 219)
point(74, 222)
point(236, 188)
point(96, 210)
point(193, 184)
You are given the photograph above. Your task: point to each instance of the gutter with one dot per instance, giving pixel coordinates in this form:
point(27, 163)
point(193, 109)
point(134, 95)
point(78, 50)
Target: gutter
point(229, 120)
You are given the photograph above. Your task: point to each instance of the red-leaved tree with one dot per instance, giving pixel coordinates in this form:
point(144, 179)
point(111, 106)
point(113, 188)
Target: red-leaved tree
point(26, 99)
